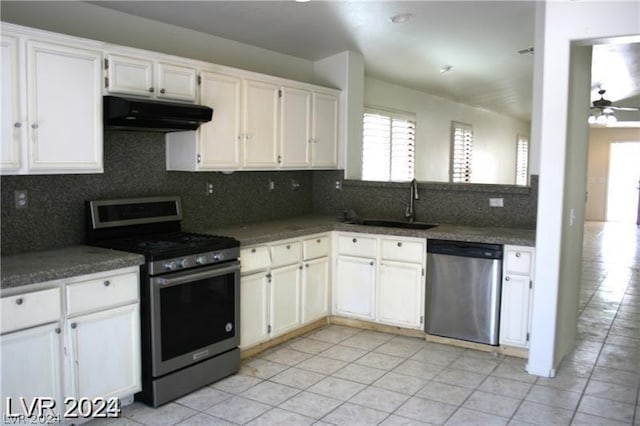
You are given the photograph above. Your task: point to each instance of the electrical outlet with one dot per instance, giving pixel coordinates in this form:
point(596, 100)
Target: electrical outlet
point(339, 185)
point(295, 185)
point(272, 185)
point(209, 188)
point(496, 202)
point(21, 199)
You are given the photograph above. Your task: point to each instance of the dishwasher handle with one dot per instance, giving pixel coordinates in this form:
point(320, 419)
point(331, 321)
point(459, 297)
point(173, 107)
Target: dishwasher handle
point(465, 249)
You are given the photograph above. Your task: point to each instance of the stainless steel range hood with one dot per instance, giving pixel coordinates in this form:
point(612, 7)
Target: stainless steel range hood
point(143, 114)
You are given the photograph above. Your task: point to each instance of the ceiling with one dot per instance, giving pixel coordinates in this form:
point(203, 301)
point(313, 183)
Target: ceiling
point(479, 40)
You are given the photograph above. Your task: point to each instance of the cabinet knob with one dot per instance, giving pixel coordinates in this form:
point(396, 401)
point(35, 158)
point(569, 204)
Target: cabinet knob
point(58, 331)
point(518, 254)
point(34, 126)
point(306, 266)
point(507, 278)
point(74, 325)
point(151, 89)
point(288, 247)
point(19, 301)
point(318, 240)
point(107, 283)
point(253, 250)
point(371, 263)
point(162, 91)
point(300, 267)
point(355, 240)
point(17, 124)
point(399, 244)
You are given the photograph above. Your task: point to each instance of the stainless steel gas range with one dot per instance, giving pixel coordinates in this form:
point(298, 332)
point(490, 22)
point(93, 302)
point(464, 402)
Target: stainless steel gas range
point(189, 293)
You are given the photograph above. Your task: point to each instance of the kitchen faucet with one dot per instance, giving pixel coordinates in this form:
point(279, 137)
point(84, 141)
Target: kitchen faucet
point(410, 212)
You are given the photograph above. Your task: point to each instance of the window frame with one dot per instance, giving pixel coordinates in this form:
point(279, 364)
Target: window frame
point(467, 154)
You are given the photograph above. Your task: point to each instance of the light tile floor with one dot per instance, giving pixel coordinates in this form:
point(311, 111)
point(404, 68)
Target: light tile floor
point(345, 376)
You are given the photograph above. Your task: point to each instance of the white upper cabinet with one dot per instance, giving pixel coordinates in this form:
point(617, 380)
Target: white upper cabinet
point(260, 125)
point(149, 78)
point(295, 125)
point(12, 120)
point(219, 139)
point(176, 82)
point(129, 76)
point(51, 107)
point(324, 146)
point(64, 139)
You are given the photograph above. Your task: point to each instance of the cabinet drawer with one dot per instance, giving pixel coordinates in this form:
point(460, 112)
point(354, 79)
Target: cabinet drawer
point(30, 309)
point(316, 247)
point(354, 245)
point(403, 250)
point(286, 253)
point(518, 260)
point(102, 293)
point(254, 259)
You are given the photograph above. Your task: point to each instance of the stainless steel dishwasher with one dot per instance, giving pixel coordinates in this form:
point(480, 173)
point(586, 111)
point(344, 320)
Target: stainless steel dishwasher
point(463, 290)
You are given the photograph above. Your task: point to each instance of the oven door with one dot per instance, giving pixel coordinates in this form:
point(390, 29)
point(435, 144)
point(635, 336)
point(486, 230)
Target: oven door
point(195, 315)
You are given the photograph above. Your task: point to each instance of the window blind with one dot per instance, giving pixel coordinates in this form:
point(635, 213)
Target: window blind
point(461, 152)
point(522, 160)
point(388, 146)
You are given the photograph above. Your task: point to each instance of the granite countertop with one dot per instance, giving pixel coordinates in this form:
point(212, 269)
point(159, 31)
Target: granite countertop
point(263, 232)
point(31, 268)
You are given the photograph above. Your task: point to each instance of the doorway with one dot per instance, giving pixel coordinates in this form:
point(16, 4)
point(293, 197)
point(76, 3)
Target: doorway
point(624, 182)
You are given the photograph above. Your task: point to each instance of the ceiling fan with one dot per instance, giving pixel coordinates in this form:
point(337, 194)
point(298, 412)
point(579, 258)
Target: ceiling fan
point(602, 110)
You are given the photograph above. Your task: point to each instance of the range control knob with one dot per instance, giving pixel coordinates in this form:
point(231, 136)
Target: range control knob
point(183, 263)
point(170, 265)
point(217, 257)
point(201, 260)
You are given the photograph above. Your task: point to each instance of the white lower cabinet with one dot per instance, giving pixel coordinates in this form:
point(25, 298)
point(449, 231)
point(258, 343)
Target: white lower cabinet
point(31, 366)
point(254, 303)
point(400, 294)
point(315, 289)
point(355, 289)
point(90, 350)
point(105, 354)
point(380, 278)
point(284, 285)
point(285, 299)
point(517, 290)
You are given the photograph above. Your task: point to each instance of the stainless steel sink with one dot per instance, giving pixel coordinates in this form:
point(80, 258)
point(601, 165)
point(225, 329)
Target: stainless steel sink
point(394, 224)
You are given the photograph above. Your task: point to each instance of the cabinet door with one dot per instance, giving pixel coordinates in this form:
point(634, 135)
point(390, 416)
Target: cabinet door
point(260, 125)
point(295, 127)
point(285, 299)
point(355, 286)
point(315, 289)
point(400, 294)
point(176, 82)
point(131, 76)
point(64, 139)
point(105, 353)
point(324, 131)
point(11, 113)
point(254, 299)
point(514, 313)
point(31, 365)
point(219, 139)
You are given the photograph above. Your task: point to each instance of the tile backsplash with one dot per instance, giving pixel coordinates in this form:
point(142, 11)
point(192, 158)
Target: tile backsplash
point(134, 166)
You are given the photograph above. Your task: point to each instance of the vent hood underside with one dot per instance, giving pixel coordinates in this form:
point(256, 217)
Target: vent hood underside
point(149, 115)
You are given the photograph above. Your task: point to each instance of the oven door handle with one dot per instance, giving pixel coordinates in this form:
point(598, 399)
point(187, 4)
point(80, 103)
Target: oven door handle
point(187, 276)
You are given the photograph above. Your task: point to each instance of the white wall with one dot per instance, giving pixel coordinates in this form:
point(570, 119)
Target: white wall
point(90, 21)
point(600, 140)
point(558, 130)
point(494, 135)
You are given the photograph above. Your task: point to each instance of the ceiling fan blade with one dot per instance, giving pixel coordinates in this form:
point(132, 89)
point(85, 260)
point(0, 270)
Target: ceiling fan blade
point(625, 108)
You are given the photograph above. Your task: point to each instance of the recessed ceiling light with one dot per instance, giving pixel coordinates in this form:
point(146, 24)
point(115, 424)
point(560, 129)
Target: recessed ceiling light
point(401, 18)
point(446, 68)
point(303, 1)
